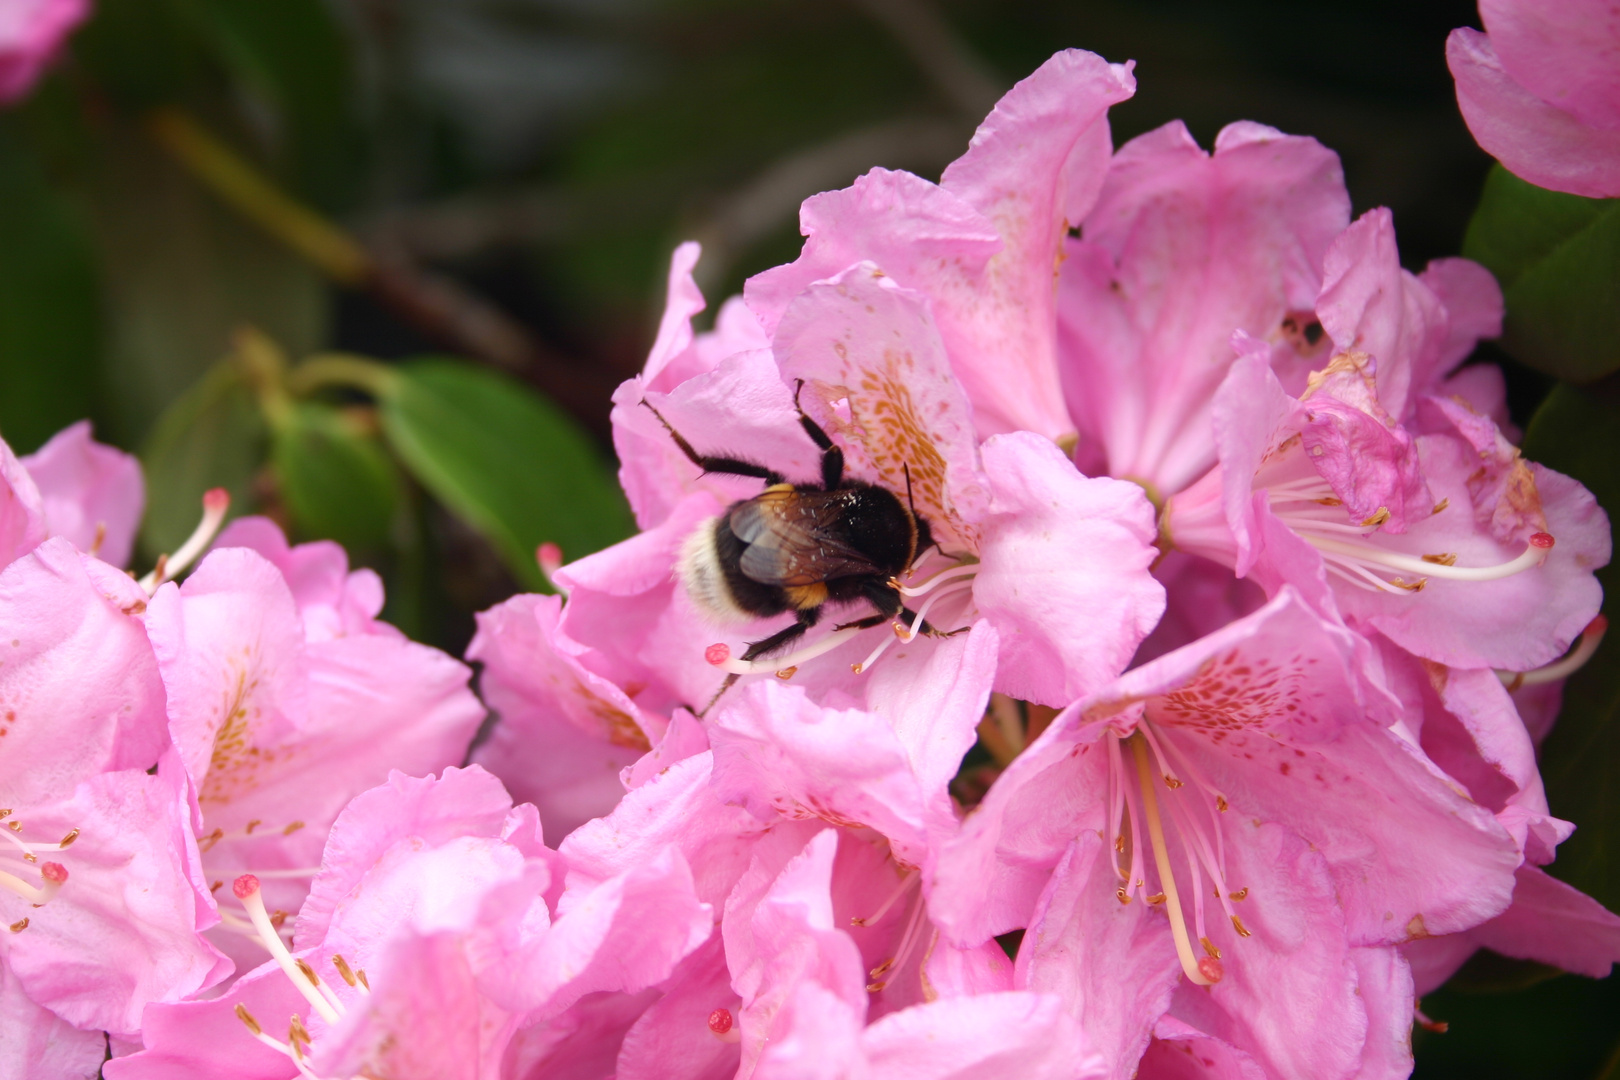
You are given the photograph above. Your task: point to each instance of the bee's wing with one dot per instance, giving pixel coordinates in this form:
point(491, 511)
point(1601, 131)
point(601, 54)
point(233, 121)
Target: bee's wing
point(793, 538)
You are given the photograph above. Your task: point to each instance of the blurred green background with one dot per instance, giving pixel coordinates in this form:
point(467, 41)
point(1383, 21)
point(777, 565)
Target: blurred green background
point(244, 235)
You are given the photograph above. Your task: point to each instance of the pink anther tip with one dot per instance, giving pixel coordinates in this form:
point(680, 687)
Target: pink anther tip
point(720, 1021)
point(245, 886)
point(216, 499)
point(1598, 625)
point(718, 653)
point(54, 872)
point(1544, 541)
point(549, 556)
point(1211, 969)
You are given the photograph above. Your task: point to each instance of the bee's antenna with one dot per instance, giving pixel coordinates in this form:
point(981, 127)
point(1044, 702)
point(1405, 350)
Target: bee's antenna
point(906, 468)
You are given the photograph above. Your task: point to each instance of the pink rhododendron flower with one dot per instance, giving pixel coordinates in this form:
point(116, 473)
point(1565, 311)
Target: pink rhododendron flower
point(982, 244)
point(1182, 249)
point(286, 698)
point(1380, 488)
point(72, 487)
point(101, 885)
point(431, 914)
point(1541, 91)
point(36, 1044)
point(1249, 764)
point(31, 32)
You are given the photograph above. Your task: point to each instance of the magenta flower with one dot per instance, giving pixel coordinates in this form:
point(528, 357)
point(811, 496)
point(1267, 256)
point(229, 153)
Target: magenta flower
point(102, 890)
point(286, 699)
point(1248, 766)
point(1541, 91)
point(31, 33)
point(39, 1045)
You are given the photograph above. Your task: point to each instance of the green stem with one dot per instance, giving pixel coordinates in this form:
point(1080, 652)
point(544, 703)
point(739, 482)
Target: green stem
point(342, 369)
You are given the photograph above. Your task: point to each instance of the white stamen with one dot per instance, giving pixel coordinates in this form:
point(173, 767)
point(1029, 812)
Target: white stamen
point(907, 881)
point(1534, 552)
point(946, 575)
point(246, 889)
point(1161, 858)
point(781, 663)
point(1588, 644)
point(216, 502)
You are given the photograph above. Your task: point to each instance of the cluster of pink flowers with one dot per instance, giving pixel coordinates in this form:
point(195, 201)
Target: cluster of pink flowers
point(1237, 575)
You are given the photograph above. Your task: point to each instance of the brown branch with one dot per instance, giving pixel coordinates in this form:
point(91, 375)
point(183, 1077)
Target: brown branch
point(959, 75)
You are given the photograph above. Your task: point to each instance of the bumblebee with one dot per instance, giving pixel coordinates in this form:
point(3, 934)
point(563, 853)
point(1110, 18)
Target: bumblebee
point(799, 547)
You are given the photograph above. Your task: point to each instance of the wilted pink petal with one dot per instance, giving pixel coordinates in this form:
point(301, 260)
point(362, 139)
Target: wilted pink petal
point(31, 32)
point(92, 494)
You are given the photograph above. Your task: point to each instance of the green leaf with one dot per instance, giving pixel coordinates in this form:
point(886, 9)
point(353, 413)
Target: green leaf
point(1558, 259)
point(213, 436)
point(503, 459)
point(1577, 432)
point(338, 482)
point(49, 306)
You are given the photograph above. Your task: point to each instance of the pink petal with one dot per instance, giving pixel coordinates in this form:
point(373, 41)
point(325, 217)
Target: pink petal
point(30, 35)
point(22, 512)
point(988, 878)
point(1410, 855)
point(673, 1038)
point(428, 812)
point(779, 754)
point(683, 300)
point(794, 931)
point(862, 340)
point(1566, 54)
point(87, 487)
point(230, 646)
point(1473, 303)
point(1079, 947)
point(740, 408)
point(1034, 168)
point(676, 809)
point(204, 1040)
point(36, 1044)
point(626, 934)
point(1555, 924)
point(424, 1017)
point(1064, 571)
point(123, 932)
point(332, 601)
point(1182, 249)
point(1289, 997)
point(1384, 984)
point(1369, 304)
point(79, 689)
point(1535, 140)
point(1182, 1052)
point(1515, 623)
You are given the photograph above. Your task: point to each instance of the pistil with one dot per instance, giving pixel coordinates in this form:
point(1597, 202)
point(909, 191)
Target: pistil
point(216, 501)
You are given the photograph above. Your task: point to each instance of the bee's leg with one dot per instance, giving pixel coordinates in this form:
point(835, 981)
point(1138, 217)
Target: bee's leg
point(832, 457)
point(886, 598)
point(807, 617)
point(709, 464)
